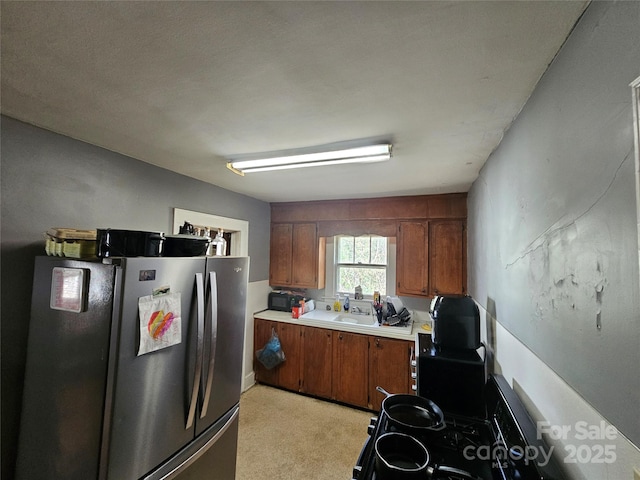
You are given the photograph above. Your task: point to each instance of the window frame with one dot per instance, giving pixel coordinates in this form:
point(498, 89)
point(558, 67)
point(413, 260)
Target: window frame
point(389, 266)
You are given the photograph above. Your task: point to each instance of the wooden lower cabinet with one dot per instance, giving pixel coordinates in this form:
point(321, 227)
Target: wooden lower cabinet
point(262, 332)
point(342, 366)
point(287, 374)
point(350, 362)
point(389, 368)
point(290, 340)
point(317, 366)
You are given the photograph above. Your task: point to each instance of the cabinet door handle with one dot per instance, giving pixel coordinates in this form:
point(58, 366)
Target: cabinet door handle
point(340, 336)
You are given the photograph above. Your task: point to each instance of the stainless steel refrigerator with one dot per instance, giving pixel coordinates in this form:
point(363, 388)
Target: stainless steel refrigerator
point(115, 392)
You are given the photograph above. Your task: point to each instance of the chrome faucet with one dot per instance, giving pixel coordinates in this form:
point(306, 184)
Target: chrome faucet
point(358, 311)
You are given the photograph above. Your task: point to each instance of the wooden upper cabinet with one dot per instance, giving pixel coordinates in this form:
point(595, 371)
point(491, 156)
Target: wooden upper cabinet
point(430, 229)
point(431, 258)
point(297, 256)
point(447, 257)
point(305, 264)
point(412, 267)
point(280, 254)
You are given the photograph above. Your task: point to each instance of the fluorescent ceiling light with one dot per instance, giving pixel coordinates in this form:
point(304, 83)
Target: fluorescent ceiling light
point(370, 153)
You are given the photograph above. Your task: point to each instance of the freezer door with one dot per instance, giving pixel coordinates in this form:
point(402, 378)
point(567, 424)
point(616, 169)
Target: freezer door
point(66, 371)
point(227, 279)
point(153, 391)
point(211, 455)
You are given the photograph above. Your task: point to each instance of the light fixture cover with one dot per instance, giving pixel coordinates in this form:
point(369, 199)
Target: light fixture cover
point(369, 153)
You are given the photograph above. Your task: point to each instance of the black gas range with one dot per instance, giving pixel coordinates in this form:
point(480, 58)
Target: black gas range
point(500, 445)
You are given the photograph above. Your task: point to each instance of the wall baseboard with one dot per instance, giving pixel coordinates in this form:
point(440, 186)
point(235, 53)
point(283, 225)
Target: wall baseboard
point(248, 381)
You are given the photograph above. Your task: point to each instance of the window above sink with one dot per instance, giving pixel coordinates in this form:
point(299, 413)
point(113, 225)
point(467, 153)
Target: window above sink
point(367, 261)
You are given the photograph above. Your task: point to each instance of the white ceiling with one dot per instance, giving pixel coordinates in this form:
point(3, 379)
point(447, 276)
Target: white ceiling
point(183, 85)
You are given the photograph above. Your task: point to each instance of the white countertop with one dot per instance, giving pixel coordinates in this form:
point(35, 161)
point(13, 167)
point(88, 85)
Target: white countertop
point(324, 319)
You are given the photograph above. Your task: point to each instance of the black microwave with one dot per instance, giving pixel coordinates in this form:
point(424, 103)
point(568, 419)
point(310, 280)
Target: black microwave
point(283, 301)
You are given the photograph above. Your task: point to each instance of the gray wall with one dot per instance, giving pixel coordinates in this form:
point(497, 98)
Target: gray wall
point(49, 180)
point(552, 218)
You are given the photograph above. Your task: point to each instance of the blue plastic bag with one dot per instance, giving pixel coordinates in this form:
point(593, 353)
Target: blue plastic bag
point(271, 355)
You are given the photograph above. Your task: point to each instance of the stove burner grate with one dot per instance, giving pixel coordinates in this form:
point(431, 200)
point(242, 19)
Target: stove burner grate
point(457, 436)
point(464, 441)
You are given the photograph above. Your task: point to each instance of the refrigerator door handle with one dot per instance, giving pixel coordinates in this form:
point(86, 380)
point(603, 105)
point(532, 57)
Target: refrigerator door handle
point(213, 298)
point(201, 451)
point(193, 403)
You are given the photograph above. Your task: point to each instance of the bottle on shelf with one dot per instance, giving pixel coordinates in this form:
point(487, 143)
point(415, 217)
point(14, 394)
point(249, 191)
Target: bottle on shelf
point(220, 244)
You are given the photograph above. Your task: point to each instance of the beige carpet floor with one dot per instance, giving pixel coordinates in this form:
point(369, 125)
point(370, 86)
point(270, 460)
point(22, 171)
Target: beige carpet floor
point(286, 436)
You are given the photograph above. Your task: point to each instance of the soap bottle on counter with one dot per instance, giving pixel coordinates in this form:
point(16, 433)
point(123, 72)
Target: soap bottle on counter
point(346, 303)
point(336, 304)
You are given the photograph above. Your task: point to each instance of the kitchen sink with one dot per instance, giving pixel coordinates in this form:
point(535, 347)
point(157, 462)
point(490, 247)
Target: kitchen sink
point(369, 320)
point(331, 316)
point(365, 324)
